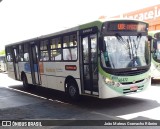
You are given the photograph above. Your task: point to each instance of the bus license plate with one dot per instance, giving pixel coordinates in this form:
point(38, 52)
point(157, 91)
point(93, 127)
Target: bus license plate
point(134, 88)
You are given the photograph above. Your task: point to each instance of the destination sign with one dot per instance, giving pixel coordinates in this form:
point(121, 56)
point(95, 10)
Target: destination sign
point(71, 67)
point(122, 26)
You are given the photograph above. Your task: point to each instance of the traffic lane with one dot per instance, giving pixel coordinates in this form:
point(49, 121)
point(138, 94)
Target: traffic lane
point(26, 106)
point(112, 108)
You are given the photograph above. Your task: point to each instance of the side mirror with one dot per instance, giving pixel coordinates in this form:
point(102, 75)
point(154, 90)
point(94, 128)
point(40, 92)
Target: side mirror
point(149, 38)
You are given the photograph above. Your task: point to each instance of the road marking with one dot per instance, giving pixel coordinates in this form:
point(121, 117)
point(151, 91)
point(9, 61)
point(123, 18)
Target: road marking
point(105, 115)
point(151, 114)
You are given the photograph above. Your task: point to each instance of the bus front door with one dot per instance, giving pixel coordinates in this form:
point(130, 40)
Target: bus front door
point(89, 59)
point(34, 64)
point(15, 62)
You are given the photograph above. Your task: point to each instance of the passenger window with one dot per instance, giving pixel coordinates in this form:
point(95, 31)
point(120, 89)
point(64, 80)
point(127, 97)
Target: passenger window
point(26, 53)
point(44, 55)
point(70, 47)
point(56, 52)
point(21, 52)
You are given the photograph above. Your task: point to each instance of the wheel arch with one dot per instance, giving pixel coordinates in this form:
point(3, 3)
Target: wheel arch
point(69, 78)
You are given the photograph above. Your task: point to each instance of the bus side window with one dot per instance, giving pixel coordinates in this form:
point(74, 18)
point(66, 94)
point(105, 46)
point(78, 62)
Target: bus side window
point(9, 57)
point(93, 48)
point(56, 51)
point(21, 53)
point(26, 54)
point(44, 54)
point(85, 50)
point(94, 53)
point(70, 47)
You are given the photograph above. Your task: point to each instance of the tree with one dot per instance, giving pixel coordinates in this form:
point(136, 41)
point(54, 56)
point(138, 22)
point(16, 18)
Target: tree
point(2, 52)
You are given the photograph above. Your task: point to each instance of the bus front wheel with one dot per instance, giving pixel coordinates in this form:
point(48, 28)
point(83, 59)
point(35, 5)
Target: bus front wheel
point(72, 90)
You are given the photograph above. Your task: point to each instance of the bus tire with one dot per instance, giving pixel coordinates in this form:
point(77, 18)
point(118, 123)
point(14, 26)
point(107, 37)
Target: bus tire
point(25, 82)
point(72, 90)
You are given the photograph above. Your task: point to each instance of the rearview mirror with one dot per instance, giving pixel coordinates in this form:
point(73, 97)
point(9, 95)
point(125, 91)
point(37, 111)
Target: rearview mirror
point(149, 38)
point(102, 45)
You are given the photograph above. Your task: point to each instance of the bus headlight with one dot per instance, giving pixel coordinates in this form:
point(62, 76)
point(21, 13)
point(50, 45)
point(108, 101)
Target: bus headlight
point(111, 82)
point(108, 81)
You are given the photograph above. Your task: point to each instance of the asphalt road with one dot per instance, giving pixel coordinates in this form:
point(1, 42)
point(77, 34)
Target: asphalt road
point(45, 104)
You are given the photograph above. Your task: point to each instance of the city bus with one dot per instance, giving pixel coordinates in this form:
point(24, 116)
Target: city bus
point(155, 49)
point(103, 59)
point(3, 66)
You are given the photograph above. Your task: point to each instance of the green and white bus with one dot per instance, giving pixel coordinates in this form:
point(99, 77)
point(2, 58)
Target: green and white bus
point(101, 59)
point(155, 47)
point(3, 66)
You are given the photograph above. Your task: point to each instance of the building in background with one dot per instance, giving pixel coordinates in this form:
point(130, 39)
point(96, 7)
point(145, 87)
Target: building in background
point(149, 14)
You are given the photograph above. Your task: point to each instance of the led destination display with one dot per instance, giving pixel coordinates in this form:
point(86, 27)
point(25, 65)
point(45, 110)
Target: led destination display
point(121, 26)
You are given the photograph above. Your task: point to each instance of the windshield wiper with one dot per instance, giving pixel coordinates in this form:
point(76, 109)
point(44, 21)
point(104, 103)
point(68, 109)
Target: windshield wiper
point(121, 40)
point(139, 35)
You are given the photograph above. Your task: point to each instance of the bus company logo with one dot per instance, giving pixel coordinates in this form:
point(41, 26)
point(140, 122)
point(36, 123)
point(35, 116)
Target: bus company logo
point(50, 70)
point(6, 123)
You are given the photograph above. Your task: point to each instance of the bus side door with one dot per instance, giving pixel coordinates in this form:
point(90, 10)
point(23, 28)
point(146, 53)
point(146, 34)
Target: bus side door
point(34, 63)
point(15, 62)
point(89, 73)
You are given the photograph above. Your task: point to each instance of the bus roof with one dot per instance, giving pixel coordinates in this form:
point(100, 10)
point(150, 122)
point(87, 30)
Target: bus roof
point(97, 23)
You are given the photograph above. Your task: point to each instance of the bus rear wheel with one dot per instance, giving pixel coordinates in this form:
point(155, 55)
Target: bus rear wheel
point(72, 90)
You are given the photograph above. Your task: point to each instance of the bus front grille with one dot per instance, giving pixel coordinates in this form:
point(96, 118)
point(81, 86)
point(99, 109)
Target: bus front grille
point(130, 73)
point(127, 83)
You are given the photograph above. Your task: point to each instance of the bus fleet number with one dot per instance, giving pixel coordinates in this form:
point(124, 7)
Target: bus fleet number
point(123, 79)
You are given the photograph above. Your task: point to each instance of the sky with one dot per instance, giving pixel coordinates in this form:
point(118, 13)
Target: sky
point(24, 19)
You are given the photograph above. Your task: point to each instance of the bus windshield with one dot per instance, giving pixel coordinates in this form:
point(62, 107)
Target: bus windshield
point(125, 51)
point(156, 52)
